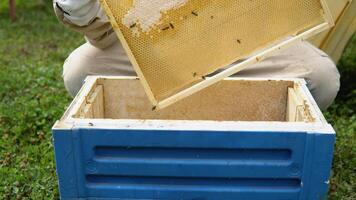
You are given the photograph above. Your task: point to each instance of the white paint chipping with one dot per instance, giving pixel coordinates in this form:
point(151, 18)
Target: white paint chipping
point(148, 13)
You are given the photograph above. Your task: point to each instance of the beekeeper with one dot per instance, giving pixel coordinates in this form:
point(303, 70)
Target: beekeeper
point(103, 54)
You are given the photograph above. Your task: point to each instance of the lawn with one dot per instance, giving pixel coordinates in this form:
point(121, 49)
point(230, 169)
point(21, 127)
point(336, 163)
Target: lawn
point(32, 98)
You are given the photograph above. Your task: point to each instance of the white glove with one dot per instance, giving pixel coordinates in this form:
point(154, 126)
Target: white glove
point(80, 12)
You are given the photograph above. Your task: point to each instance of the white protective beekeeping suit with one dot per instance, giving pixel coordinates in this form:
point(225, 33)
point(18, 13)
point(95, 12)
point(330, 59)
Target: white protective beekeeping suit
point(80, 13)
point(87, 17)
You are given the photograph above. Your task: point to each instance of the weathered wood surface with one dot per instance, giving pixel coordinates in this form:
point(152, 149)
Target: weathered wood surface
point(228, 100)
point(94, 105)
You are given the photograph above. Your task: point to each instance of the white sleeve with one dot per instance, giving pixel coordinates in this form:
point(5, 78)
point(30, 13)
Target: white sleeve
point(80, 12)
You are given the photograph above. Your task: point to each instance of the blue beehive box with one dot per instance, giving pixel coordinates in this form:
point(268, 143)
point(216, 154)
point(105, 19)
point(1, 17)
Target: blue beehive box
point(248, 139)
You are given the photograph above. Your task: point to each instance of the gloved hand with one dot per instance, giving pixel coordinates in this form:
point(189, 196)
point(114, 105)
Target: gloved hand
point(80, 12)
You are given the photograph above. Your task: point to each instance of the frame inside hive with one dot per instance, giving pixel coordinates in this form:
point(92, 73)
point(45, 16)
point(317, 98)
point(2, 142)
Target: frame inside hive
point(123, 98)
point(197, 39)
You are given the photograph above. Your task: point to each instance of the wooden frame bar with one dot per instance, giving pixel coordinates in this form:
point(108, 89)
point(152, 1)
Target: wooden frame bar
point(239, 67)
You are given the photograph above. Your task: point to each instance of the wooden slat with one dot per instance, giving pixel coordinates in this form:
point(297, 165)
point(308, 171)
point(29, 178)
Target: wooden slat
point(93, 107)
point(88, 111)
point(97, 101)
point(295, 107)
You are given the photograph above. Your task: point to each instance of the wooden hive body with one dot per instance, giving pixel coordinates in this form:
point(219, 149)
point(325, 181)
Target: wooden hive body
point(255, 145)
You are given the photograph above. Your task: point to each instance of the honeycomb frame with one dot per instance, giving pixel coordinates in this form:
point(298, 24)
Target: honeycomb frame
point(199, 80)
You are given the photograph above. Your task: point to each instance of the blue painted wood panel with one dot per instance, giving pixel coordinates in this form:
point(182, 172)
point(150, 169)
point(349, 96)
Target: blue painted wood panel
point(151, 164)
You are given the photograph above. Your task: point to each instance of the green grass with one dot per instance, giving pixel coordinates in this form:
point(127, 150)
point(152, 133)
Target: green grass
point(342, 115)
point(33, 97)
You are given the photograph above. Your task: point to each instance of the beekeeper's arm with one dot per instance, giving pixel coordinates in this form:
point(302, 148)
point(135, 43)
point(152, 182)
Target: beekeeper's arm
point(86, 17)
